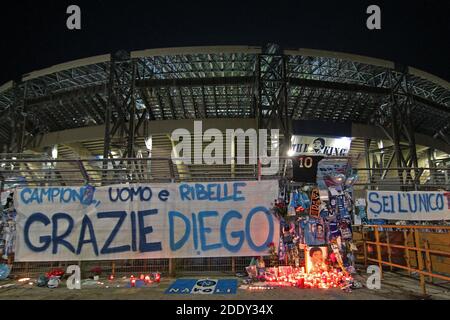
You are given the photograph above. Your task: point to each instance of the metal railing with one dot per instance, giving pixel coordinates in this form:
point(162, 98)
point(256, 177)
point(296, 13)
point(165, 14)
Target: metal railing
point(404, 178)
point(119, 268)
point(406, 248)
point(17, 171)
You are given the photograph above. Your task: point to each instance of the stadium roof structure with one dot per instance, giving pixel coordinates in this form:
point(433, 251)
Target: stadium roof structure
point(123, 90)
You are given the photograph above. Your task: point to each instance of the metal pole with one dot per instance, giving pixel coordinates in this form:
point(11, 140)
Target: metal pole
point(408, 258)
point(412, 146)
point(367, 156)
point(396, 137)
point(431, 164)
point(23, 124)
point(420, 261)
point(364, 245)
point(172, 171)
point(107, 139)
point(171, 269)
point(389, 248)
point(379, 259)
point(132, 111)
point(13, 123)
point(258, 113)
point(428, 259)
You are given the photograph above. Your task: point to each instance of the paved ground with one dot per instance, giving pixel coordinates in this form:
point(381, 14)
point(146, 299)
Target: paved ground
point(393, 287)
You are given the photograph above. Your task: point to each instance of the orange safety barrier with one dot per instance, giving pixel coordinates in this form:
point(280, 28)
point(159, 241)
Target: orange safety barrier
point(420, 249)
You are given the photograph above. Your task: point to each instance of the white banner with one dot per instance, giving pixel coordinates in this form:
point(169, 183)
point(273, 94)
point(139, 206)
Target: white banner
point(423, 206)
point(146, 221)
point(4, 197)
point(316, 145)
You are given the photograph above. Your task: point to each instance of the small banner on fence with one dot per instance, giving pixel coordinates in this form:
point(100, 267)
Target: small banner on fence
point(184, 220)
point(421, 206)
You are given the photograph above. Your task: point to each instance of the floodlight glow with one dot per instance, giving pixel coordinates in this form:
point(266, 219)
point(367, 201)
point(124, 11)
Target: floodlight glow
point(149, 143)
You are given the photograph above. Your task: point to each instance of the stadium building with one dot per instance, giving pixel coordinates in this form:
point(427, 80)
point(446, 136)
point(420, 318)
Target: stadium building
point(108, 120)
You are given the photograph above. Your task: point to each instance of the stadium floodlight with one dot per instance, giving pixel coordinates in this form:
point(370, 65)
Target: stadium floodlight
point(149, 143)
point(55, 152)
point(290, 153)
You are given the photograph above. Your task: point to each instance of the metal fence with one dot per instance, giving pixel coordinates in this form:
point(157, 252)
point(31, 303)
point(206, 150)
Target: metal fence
point(410, 249)
point(119, 268)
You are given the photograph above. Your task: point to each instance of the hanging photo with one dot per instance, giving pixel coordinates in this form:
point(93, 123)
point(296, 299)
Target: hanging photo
point(346, 230)
point(288, 234)
point(314, 232)
point(334, 230)
point(315, 259)
point(332, 208)
point(335, 245)
point(360, 212)
point(89, 192)
point(342, 207)
point(320, 234)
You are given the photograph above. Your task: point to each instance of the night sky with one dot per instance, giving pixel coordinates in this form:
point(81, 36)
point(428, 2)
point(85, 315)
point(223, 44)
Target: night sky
point(34, 33)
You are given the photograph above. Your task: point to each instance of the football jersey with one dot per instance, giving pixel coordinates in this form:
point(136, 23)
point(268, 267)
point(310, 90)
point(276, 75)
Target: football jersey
point(300, 199)
point(294, 199)
point(305, 201)
point(305, 168)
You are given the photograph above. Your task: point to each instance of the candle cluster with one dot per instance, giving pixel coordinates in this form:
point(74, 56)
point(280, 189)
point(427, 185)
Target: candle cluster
point(299, 278)
point(147, 279)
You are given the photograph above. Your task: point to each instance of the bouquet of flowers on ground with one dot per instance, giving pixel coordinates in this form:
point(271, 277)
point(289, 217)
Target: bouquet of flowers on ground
point(280, 209)
point(96, 272)
point(273, 255)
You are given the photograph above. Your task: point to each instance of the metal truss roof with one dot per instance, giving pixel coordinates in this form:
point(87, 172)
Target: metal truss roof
point(220, 82)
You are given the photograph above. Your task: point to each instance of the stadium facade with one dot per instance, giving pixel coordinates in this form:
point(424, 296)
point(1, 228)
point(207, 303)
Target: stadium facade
point(126, 105)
